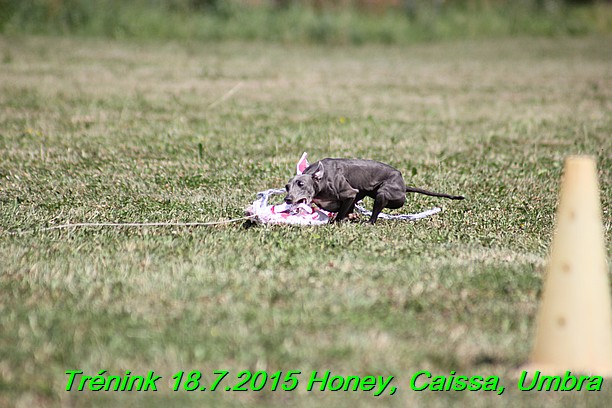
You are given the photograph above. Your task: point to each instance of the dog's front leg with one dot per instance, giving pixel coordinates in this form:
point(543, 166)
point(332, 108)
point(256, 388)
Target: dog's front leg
point(345, 195)
point(344, 210)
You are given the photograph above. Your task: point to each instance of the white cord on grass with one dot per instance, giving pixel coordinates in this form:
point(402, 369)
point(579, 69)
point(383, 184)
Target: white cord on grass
point(226, 95)
point(136, 224)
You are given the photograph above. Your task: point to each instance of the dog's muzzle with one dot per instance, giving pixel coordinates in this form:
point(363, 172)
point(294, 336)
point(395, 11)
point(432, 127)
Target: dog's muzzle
point(288, 200)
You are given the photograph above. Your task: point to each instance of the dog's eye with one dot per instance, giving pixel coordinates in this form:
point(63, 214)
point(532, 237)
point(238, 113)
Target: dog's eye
point(300, 184)
point(287, 187)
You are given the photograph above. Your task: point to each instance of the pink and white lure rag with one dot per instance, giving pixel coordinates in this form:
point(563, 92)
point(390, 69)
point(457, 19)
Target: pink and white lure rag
point(304, 214)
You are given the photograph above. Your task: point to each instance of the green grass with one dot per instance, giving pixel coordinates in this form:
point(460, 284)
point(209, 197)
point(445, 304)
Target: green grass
point(95, 131)
point(417, 21)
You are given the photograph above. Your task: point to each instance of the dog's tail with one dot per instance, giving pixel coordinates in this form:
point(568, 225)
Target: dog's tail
point(431, 193)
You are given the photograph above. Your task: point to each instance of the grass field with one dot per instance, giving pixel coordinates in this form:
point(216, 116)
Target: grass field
point(409, 22)
point(94, 131)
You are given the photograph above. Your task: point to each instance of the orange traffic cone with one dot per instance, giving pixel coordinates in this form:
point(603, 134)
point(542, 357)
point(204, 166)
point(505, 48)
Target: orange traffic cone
point(574, 323)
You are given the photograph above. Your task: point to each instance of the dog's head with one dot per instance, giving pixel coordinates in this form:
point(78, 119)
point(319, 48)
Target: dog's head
point(303, 187)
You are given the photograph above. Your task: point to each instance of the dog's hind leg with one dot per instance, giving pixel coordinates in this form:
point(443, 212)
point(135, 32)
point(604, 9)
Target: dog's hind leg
point(386, 199)
point(380, 202)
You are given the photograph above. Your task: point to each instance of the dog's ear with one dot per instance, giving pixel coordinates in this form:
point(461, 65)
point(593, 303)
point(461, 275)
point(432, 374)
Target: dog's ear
point(318, 174)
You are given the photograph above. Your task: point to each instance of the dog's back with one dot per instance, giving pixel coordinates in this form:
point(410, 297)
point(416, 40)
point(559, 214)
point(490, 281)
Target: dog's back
point(364, 175)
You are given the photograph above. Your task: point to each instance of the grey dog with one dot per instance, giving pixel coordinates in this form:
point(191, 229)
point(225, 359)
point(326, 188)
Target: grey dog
point(337, 184)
